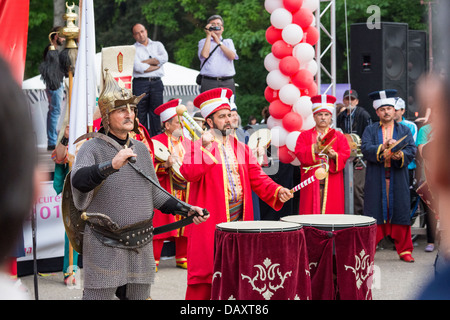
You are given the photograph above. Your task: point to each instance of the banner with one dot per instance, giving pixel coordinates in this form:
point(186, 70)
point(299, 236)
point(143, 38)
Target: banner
point(14, 34)
point(49, 226)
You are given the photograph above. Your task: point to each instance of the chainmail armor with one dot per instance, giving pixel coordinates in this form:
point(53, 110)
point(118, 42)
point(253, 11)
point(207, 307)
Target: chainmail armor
point(127, 198)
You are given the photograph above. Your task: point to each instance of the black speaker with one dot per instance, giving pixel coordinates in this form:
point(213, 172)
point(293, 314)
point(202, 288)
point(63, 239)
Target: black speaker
point(378, 61)
point(417, 66)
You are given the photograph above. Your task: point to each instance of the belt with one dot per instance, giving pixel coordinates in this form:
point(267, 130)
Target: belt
point(132, 236)
point(218, 78)
point(147, 79)
point(129, 237)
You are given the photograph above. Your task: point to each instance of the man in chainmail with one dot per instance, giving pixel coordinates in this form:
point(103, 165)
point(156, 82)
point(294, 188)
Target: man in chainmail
point(104, 183)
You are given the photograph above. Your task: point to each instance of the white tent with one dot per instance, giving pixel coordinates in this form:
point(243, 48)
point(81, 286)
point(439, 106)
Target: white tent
point(179, 82)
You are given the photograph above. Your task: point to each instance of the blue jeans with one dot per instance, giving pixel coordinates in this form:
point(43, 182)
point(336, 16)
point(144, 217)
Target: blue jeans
point(55, 98)
point(146, 107)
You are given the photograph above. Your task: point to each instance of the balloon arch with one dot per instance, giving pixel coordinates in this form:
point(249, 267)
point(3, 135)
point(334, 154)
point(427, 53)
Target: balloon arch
point(291, 69)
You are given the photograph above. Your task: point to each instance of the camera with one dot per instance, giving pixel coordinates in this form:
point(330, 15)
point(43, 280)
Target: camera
point(214, 28)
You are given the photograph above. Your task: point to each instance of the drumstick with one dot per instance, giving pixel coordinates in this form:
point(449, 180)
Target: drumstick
point(303, 184)
point(260, 158)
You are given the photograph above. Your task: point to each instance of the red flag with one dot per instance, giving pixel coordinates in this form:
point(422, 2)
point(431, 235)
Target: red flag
point(14, 34)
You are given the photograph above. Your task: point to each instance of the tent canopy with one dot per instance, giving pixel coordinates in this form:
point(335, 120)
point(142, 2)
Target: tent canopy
point(178, 80)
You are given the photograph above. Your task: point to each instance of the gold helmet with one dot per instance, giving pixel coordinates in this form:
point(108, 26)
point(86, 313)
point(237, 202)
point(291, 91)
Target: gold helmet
point(114, 97)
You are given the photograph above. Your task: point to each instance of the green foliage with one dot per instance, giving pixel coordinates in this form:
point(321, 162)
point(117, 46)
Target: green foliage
point(39, 24)
point(179, 25)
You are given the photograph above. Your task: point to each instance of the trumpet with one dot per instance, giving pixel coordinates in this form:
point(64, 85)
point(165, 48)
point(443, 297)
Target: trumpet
point(182, 112)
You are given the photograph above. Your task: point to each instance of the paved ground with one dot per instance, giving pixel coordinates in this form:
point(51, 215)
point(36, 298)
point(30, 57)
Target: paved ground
point(394, 280)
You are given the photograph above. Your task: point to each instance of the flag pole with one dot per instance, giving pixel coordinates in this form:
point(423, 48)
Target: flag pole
point(68, 59)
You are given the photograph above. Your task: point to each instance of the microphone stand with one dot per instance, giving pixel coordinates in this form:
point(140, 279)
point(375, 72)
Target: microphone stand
point(33, 230)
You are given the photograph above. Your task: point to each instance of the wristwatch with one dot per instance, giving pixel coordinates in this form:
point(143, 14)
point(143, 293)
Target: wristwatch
point(64, 141)
point(220, 43)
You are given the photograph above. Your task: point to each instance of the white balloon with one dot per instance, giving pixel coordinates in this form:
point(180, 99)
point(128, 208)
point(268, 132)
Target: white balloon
point(292, 34)
point(291, 140)
point(304, 52)
point(279, 135)
point(289, 94)
point(312, 5)
point(271, 62)
point(276, 80)
point(280, 18)
point(296, 162)
point(303, 106)
point(273, 122)
point(271, 5)
point(312, 67)
point(309, 123)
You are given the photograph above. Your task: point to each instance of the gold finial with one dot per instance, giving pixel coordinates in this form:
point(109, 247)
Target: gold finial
point(52, 47)
point(70, 31)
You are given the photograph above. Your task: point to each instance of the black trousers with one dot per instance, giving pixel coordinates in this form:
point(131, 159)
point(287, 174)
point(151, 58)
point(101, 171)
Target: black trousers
point(208, 84)
point(146, 107)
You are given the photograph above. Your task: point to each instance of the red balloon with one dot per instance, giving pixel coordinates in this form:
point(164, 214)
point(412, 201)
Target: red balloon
point(311, 35)
point(278, 109)
point(270, 94)
point(289, 66)
point(302, 79)
point(292, 5)
point(281, 49)
point(285, 155)
point(310, 91)
point(273, 34)
point(292, 121)
point(303, 18)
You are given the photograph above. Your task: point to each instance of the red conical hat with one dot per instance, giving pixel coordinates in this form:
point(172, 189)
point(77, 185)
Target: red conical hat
point(213, 100)
point(168, 110)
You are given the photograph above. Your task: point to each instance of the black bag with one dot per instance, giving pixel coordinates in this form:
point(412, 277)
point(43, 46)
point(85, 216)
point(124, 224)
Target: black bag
point(199, 76)
point(199, 79)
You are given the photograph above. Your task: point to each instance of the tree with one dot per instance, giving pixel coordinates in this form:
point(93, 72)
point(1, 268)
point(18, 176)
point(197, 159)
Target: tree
point(179, 25)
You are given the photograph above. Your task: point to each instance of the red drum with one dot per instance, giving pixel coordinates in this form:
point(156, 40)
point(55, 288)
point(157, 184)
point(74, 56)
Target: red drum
point(260, 260)
point(341, 252)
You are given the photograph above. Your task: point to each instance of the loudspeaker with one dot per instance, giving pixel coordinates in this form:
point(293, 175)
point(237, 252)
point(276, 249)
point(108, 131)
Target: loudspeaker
point(417, 65)
point(378, 61)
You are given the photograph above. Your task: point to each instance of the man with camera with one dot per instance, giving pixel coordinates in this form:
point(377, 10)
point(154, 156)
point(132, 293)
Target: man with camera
point(217, 57)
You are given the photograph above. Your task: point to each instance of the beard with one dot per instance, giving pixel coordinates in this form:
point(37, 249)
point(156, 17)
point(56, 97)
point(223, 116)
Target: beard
point(177, 133)
point(225, 131)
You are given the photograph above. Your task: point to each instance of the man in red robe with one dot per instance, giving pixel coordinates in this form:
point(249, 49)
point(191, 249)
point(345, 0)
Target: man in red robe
point(222, 172)
point(170, 179)
point(322, 148)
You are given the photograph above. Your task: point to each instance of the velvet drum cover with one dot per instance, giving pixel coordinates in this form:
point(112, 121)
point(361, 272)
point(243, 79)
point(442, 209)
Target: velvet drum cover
point(347, 273)
point(263, 265)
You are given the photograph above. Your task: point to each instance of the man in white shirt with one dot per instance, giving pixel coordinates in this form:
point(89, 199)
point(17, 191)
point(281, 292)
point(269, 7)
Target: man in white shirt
point(147, 73)
point(218, 71)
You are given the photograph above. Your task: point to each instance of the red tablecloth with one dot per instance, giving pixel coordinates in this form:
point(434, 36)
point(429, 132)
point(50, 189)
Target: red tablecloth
point(347, 273)
point(258, 266)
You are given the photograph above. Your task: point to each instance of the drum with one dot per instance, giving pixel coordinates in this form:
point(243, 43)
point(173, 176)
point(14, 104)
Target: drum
point(341, 251)
point(177, 176)
point(257, 226)
point(260, 138)
point(260, 260)
point(162, 153)
point(330, 222)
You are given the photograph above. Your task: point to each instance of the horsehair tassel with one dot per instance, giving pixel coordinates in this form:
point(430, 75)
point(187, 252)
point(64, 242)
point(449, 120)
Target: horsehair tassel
point(303, 184)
